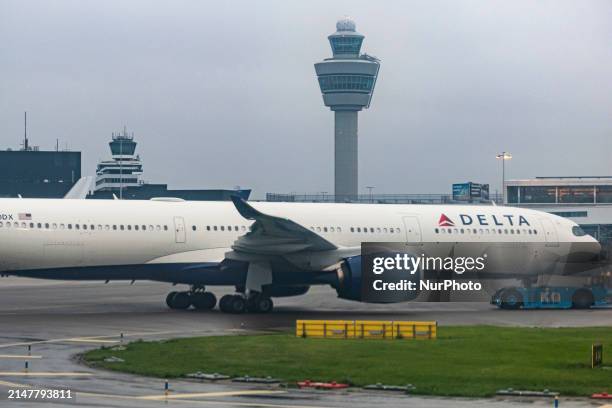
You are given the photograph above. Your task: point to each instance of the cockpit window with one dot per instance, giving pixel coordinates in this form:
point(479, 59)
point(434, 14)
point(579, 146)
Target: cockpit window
point(577, 231)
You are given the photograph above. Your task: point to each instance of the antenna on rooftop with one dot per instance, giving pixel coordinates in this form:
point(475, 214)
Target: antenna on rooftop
point(25, 131)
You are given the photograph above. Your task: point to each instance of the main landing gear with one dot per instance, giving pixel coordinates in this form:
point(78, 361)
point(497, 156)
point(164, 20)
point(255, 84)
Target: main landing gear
point(196, 297)
point(240, 303)
point(236, 303)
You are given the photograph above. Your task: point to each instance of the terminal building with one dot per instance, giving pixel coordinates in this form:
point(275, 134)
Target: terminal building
point(34, 173)
point(585, 200)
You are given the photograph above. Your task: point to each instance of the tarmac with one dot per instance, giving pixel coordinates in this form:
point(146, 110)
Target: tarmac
point(60, 320)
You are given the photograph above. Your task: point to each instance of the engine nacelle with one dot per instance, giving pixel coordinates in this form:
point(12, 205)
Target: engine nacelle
point(353, 285)
point(349, 279)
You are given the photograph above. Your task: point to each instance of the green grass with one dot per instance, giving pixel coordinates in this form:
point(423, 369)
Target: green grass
point(463, 361)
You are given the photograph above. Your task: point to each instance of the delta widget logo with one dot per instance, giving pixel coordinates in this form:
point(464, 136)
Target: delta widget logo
point(444, 221)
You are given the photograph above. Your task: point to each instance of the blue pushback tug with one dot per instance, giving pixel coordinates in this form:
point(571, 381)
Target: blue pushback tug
point(550, 297)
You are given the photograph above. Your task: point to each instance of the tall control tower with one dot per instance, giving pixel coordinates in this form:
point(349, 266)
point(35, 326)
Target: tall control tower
point(347, 82)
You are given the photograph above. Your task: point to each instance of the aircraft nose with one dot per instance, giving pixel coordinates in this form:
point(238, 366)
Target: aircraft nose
point(588, 251)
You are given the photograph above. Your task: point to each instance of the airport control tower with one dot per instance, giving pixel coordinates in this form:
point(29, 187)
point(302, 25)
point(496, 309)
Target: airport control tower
point(347, 82)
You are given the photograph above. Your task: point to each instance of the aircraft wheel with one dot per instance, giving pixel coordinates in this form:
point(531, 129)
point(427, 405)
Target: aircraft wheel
point(582, 299)
point(203, 301)
point(260, 304)
point(169, 299)
point(181, 300)
point(511, 299)
point(237, 304)
point(224, 303)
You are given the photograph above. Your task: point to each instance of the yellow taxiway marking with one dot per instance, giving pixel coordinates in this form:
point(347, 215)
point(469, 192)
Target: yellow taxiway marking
point(42, 374)
point(90, 340)
point(14, 385)
point(210, 394)
point(19, 357)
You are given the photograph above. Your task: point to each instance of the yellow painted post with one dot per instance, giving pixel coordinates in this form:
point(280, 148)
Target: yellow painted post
point(414, 331)
point(324, 329)
point(304, 329)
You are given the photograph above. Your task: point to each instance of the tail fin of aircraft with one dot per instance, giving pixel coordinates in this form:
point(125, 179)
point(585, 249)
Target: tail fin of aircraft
point(80, 189)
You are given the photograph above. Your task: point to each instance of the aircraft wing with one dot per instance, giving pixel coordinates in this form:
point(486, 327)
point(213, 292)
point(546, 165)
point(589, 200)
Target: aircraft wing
point(271, 235)
point(80, 189)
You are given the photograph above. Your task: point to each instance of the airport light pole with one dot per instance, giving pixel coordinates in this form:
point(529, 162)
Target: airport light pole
point(503, 156)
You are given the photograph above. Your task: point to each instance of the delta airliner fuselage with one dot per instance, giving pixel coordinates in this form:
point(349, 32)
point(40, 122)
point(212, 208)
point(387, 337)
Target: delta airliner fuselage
point(248, 245)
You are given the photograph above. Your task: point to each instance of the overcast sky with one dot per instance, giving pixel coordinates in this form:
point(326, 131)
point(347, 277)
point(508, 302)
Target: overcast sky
point(224, 93)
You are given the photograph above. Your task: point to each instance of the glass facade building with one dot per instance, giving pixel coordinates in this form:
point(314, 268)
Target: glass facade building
point(585, 200)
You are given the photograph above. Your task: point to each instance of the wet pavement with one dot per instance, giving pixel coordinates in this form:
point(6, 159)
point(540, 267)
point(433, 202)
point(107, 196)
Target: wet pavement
point(62, 319)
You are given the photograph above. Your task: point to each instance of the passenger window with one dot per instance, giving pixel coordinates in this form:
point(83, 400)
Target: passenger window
point(208, 228)
point(352, 229)
point(193, 227)
point(324, 229)
point(222, 228)
point(158, 228)
point(215, 227)
point(77, 226)
point(243, 228)
point(121, 227)
point(39, 225)
point(46, 225)
point(114, 227)
point(371, 229)
point(165, 228)
point(136, 227)
point(437, 231)
point(339, 229)
point(358, 229)
point(31, 225)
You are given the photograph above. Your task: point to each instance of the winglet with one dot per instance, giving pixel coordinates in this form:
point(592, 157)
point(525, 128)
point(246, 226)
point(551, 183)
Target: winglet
point(244, 208)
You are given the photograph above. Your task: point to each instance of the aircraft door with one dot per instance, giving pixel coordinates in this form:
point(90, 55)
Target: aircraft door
point(550, 232)
point(179, 230)
point(413, 230)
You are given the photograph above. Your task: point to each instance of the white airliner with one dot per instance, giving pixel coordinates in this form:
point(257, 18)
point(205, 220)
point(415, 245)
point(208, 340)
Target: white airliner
point(264, 249)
